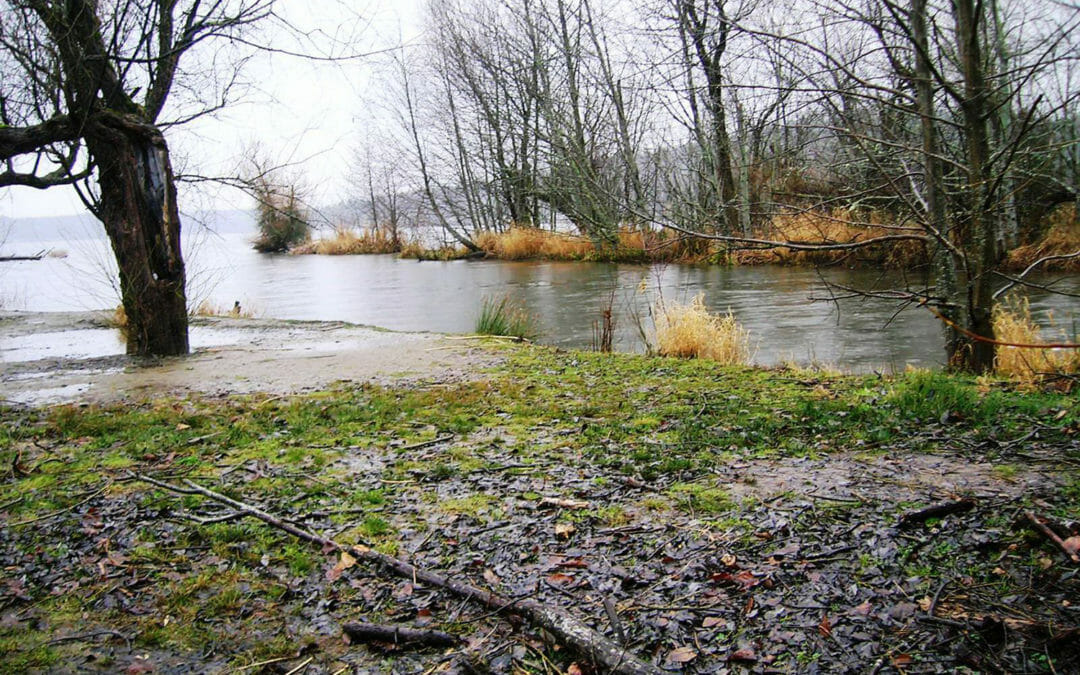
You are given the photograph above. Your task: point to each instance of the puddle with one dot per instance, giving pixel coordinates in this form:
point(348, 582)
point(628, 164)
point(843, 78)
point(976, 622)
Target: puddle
point(49, 395)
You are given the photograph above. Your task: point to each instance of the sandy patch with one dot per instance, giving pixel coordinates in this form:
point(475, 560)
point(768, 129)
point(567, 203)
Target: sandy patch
point(50, 358)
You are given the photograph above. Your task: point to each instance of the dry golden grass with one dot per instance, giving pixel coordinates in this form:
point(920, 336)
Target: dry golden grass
point(208, 308)
point(1013, 323)
point(837, 226)
point(347, 241)
point(1062, 238)
point(531, 243)
point(690, 331)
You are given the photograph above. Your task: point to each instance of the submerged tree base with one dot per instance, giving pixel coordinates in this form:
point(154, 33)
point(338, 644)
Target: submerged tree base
point(707, 515)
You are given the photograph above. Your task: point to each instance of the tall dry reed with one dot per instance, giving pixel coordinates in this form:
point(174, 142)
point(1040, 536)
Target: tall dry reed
point(691, 331)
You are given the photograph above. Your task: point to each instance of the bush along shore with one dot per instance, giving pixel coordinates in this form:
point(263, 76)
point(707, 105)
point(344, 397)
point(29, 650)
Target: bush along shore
point(628, 513)
point(1055, 244)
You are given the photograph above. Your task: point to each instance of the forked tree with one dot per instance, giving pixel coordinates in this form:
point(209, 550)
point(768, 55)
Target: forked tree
point(83, 84)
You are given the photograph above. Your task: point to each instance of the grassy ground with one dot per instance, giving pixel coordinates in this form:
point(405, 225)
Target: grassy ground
point(725, 517)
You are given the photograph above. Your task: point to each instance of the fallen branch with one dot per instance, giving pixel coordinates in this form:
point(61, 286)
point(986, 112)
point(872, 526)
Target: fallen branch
point(1039, 525)
point(936, 511)
point(570, 630)
point(398, 635)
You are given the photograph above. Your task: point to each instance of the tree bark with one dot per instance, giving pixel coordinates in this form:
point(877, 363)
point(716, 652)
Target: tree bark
point(138, 209)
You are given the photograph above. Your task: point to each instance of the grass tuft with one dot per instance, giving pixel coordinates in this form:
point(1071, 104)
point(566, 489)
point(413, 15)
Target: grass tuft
point(1013, 323)
point(1062, 238)
point(691, 331)
point(503, 317)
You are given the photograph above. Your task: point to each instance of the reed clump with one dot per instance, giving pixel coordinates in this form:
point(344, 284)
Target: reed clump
point(1062, 238)
point(691, 331)
point(348, 241)
point(1013, 324)
point(209, 308)
point(533, 243)
point(503, 317)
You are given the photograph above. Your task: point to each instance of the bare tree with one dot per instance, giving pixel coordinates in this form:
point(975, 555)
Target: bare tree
point(85, 83)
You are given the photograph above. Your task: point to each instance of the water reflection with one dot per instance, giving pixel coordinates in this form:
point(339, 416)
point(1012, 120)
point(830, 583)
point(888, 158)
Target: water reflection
point(774, 303)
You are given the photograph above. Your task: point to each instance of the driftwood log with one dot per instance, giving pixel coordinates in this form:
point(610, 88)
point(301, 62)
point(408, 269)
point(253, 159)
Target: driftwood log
point(569, 630)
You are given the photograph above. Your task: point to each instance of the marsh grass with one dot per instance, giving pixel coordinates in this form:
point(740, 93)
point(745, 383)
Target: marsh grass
point(208, 308)
point(691, 331)
point(348, 241)
point(1062, 238)
point(501, 316)
point(1013, 323)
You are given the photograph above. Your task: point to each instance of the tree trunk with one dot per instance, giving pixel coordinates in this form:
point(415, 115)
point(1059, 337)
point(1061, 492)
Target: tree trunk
point(977, 356)
point(138, 208)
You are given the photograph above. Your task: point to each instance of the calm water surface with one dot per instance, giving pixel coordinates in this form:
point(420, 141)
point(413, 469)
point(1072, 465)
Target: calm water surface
point(776, 304)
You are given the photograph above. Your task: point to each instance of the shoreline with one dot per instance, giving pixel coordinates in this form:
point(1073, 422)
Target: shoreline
point(229, 356)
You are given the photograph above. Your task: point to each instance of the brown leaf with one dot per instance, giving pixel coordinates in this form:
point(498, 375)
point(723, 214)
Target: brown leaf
point(564, 530)
point(864, 609)
point(343, 564)
point(681, 655)
point(574, 669)
point(901, 660)
point(746, 654)
point(712, 621)
point(491, 577)
point(728, 560)
point(559, 578)
point(1072, 545)
point(825, 627)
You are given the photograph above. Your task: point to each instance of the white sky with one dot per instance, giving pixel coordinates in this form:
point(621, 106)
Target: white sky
point(298, 111)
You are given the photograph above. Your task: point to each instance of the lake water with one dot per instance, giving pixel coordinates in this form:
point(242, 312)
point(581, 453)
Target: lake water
point(780, 306)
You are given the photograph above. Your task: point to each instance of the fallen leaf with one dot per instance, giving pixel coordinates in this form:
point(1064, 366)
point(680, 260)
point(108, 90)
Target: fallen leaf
point(728, 560)
point(681, 655)
point(183, 427)
point(864, 609)
point(564, 530)
point(901, 660)
point(925, 602)
point(343, 564)
point(712, 621)
point(745, 654)
point(1072, 545)
point(574, 669)
point(560, 578)
point(491, 577)
point(825, 627)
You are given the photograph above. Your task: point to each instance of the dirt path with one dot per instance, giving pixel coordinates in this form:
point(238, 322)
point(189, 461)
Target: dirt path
point(50, 358)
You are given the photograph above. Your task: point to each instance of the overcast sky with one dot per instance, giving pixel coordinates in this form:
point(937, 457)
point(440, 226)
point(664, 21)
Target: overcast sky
point(296, 110)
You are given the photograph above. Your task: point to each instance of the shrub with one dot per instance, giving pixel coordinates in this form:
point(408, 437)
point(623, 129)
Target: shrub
point(690, 331)
point(503, 317)
point(282, 218)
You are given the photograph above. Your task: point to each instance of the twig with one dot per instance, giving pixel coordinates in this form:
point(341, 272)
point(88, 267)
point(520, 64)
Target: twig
point(61, 511)
point(426, 444)
point(301, 666)
point(573, 632)
point(399, 635)
point(87, 636)
point(1051, 535)
point(936, 511)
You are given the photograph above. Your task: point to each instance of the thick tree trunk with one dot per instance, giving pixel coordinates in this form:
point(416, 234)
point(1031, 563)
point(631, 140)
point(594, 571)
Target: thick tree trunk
point(138, 209)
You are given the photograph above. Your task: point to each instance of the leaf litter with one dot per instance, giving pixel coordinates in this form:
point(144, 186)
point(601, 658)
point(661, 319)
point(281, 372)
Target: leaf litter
point(749, 560)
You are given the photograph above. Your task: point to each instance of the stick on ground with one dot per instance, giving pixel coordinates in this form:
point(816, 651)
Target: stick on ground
point(569, 630)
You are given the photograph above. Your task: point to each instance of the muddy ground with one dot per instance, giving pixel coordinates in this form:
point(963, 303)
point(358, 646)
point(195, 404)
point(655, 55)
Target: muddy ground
point(710, 520)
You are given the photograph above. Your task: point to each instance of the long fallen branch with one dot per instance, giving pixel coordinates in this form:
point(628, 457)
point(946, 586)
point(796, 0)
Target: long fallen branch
point(568, 629)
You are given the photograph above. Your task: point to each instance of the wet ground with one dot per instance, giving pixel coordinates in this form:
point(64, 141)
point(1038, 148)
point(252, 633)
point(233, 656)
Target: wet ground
point(55, 357)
